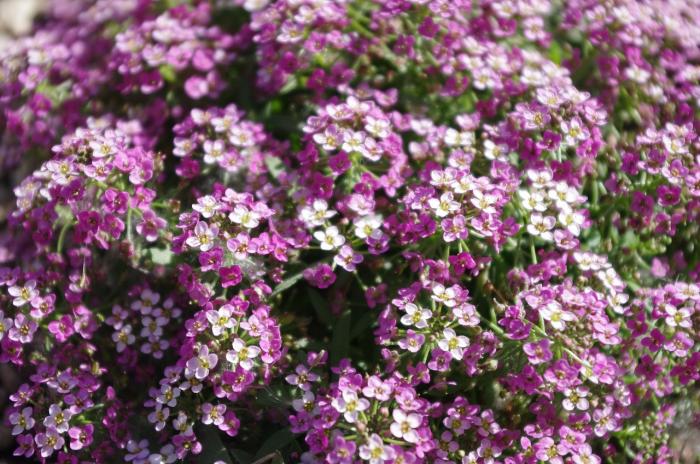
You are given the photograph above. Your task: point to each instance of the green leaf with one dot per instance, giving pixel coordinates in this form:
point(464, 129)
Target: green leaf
point(56, 93)
point(556, 53)
point(213, 449)
point(274, 165)
point(277, 441)
point(287, 283)
point(168, 73)
point(340, 344)
point(272, 458)
point(321, 307)
point(362, 325)
point(241, 457)
point(162, 256)
point(630, 240)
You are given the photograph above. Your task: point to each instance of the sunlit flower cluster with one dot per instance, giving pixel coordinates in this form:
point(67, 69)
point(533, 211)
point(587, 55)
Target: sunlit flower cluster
point(352, 231)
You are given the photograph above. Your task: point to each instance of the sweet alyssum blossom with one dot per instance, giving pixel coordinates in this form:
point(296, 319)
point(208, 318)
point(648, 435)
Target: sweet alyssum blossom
point(350, 405)
point(404, 425)
point(423, 203)
point(203, 237)
point(242, 354)
point(199, 366)
point(453, 343)
point(416, 316)
point(330, 238)
point(22, 420)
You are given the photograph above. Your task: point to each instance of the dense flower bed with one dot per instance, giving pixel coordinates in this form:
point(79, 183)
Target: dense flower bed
point(383, 231)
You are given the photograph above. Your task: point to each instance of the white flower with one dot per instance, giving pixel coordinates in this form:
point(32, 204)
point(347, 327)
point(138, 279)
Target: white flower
point(563, 195)
point(353, 141)
point(302, 377)
point(198, 366)
point(223, 123)
point(404, 425)
point(549, 96)
point(242, 354)
point(22, 420)
point(330, 139)
point(573, 131)
point(213, 414)
point(207, 206)
point(49, 442)
point(493, 151)
point(589, 261)
point(330, 238)
point(674, 145)
point(415, 315)
point(445, 205)
point(371, 150)
point(375, 451)
point(245, 217)
point(637, 74)
point(575, 399)
point(611, 279)
point(350, 405)
point(338, 112)
point(677, 317)
point(153, 326)
point(616, 301)
point(123, 337)
point(465, 183)
point(457, 138)
point(585, 455)
point(687, 291)
point(255, 5)
point(541, 226)
point(533, 201)
point(159, 416)
point(379, 127)
point(317, 213)
point(572, 220)
point(137, 451)
point(307, 403)
point(365, 225)
point(241, 137)
point(102, 147)
point(221, 320)
point(58, 418)
point(168, 395)
point(484, 201)
point(444, 295)
point(556, 316)
point(213, 151)
point(145, 304)
point(357, 106)
point(23, 294)
point(453, 343)
point(539, 179)
point(439, 177)
point(204, 236)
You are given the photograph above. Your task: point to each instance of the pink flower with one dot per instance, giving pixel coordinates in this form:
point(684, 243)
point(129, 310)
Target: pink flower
point(80, 436)
point(196, 87)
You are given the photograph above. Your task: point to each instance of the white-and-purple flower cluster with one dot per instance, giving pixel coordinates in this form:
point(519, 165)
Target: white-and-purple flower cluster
point(352, 231)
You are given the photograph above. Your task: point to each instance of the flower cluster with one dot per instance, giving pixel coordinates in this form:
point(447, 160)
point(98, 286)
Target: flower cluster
point(178, 44)
point(352, 231)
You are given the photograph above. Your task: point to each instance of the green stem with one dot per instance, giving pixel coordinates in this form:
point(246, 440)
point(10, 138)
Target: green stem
point(62, 236)
point(128, 224)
